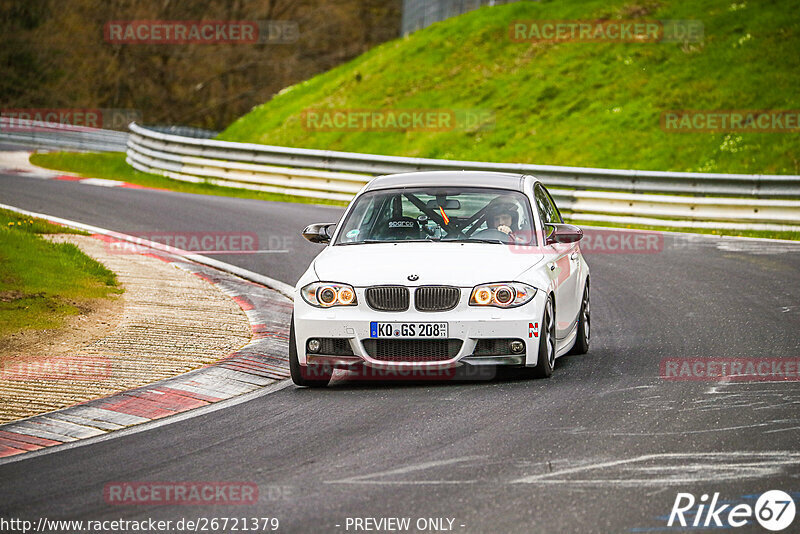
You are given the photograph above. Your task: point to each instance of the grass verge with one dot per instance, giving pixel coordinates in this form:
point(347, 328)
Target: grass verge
point(112, 165)
point(586, 104)
point(42, 283)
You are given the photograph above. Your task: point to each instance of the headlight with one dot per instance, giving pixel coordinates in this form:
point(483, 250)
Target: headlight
point(329, 294)
point(502, 295)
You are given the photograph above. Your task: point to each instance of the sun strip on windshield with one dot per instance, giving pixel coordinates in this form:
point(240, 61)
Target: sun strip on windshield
point(445, 218)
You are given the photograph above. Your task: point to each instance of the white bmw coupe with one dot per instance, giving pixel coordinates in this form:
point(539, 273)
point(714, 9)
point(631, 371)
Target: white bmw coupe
point(436, 270)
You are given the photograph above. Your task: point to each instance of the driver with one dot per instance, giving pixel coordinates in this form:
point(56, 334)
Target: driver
point(503, 216)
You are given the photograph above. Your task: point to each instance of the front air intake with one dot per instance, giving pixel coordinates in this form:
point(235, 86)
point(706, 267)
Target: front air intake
point(412, 350)
point(388, 298)
point(436, 298)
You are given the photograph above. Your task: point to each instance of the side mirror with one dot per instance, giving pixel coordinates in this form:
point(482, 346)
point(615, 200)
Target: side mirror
point(319, 232)
point(562, 233)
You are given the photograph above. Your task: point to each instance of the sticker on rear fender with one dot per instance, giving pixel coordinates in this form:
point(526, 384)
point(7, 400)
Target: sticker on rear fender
point(407, 330)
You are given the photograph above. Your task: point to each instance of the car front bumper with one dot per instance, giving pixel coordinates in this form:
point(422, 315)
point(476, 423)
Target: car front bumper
point(469, 324)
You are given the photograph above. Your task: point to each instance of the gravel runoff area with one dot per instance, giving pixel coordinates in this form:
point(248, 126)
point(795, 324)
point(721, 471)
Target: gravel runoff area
point(171, 322)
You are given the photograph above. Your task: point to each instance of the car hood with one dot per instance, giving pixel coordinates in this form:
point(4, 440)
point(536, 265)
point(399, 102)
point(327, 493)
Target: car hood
point(458, 264)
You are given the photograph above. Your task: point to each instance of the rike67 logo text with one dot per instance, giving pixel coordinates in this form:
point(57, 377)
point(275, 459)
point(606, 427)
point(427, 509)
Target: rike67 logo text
point(774, 510)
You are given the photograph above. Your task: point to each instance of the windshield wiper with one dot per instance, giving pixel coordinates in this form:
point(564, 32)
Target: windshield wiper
point(365, 242)
point(474, 240)
point(385, 241)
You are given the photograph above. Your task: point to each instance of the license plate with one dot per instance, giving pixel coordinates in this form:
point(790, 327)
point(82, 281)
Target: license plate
point(407, 330)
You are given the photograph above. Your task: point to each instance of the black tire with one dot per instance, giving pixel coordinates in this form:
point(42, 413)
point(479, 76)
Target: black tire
point(302, 374)
point(584, 325)
point(547, 342)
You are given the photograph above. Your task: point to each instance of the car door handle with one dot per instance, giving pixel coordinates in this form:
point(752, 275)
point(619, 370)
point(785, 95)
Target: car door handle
point(573, 256)
point(552, 267)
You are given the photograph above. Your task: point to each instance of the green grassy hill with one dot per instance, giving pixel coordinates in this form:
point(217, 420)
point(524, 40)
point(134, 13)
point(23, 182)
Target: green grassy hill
point(568, 103)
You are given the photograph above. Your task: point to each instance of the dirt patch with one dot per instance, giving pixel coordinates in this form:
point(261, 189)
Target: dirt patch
point(167, 322)
point(638, 11)
point(97, 319)
point(11, 296)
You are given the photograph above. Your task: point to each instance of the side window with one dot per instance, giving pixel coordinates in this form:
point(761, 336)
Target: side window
point(544, 206)
point(557, 218)
point(359, 220)
point(525, 224)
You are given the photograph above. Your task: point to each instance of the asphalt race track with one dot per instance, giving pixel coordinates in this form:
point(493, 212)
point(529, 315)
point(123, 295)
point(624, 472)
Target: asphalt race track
point(604, 445)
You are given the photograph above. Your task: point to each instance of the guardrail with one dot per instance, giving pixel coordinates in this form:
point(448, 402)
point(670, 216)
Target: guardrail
point(56, 135)
point(759, 201)
point(758, 185)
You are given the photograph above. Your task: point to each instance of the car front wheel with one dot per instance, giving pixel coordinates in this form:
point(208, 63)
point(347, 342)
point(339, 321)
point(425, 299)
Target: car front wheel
point(547, 342)
point(584, 323)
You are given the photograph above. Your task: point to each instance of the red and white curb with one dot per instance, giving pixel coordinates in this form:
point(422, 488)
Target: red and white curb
point(101, 182)
point(17, 163)
point(260, 363)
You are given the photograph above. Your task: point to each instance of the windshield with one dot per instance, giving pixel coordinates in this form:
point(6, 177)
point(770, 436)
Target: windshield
point(453, 214)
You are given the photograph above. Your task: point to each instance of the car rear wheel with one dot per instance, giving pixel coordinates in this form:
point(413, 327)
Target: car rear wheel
point(547, 342)
point(584, 323)
point(303, 375)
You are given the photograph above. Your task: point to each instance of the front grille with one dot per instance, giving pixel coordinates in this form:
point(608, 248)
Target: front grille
point(412, 350)
point(436, 298)
point(493, 347)
point(388, 298)
point(335, 346)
